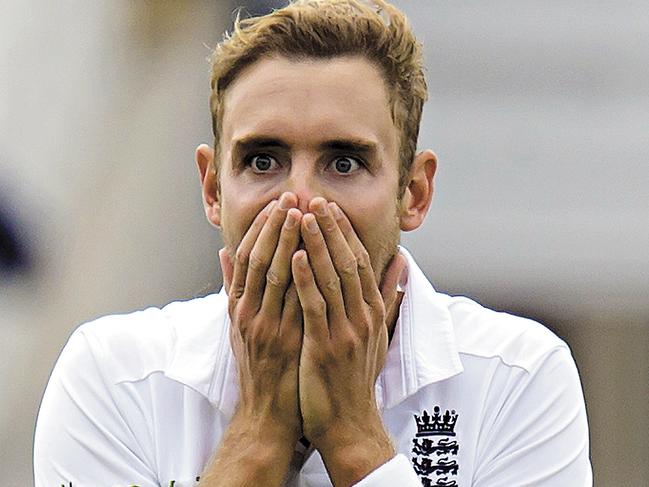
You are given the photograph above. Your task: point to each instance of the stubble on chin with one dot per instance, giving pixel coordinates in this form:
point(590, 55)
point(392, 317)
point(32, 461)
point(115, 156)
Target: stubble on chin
point(387, 253)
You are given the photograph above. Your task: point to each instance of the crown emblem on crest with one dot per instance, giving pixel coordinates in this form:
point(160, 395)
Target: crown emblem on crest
point(436, 423)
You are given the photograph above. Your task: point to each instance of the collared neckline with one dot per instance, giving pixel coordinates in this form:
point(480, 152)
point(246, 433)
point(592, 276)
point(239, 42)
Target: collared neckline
point(422, 351)
point(200, 343)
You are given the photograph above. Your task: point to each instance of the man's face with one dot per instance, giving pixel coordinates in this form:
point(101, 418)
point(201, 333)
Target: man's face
point(314, 128)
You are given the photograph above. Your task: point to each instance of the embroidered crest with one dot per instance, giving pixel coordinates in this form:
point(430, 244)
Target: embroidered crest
point(434, 462)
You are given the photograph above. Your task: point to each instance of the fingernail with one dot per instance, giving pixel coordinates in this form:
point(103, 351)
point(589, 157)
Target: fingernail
point(321, 209)
point(291, 220)
point(311, 224)
point(283, 202)
point(336, 211)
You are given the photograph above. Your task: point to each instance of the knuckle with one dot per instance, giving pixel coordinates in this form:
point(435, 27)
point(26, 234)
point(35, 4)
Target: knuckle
point(237, 291)
point(362, 259)
point(329, 225)
point(316, 308)
point(241, 256)
point(255, 262)
point(332, 285)
point(349, 267)
point(260, 336)
point(273, 278)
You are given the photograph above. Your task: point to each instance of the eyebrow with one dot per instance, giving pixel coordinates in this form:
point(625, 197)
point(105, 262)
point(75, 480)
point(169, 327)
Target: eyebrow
point(354, 145)
point(250, 143)
point(349, 145)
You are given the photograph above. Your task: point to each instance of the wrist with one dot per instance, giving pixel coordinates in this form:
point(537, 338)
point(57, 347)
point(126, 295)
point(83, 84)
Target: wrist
point(266, 428)
point(350, 452)
point(346, 450)
point(253, 451)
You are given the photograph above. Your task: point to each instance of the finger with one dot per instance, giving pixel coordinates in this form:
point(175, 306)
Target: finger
point(322, 267)
point(242, 255)
point(226, 268)
point(369, 286)
point(291, 321)
point(314, 308)
point(342, 256)
point(263, 250)
point(278, 275)
point(391, 277)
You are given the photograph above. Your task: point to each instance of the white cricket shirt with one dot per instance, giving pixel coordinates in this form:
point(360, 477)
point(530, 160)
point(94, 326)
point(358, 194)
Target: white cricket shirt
point(470, 396)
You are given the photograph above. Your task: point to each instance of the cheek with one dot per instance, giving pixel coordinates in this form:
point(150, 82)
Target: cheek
point(238, 210)
point(372, 219)
point(378, 230)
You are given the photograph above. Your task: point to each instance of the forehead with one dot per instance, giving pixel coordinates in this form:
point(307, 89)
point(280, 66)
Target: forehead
point(305, 101)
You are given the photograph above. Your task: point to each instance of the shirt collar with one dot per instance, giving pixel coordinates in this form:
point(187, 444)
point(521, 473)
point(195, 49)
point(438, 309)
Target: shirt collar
point(201, 355)
point(422, 351)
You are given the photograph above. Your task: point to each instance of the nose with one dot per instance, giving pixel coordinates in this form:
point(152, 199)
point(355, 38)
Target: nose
point(305, 184)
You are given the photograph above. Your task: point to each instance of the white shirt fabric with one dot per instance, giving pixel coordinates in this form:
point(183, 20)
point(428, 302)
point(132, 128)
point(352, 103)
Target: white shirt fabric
point(470, 396)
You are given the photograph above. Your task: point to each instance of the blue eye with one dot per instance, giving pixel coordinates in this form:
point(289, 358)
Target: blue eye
point(346, 164)
point(262, 163)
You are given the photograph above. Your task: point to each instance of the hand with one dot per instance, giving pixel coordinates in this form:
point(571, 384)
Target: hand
point(266, 330)
point(345, 340)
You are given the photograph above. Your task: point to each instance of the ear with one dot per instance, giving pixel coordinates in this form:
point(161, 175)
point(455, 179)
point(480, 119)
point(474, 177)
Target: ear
point(209, 183)
point(419, 192)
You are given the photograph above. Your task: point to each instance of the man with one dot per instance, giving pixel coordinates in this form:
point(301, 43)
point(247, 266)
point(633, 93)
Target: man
point(327, 358)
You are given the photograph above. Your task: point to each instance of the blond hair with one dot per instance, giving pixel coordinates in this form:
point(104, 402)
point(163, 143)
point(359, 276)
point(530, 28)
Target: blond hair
point(325, 29)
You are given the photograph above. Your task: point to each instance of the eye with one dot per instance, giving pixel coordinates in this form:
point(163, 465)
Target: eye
point(346, 164)
point(261, 163)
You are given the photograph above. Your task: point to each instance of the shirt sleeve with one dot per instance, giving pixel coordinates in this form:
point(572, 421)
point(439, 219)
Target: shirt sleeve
point(540, 434)
point(82, 437)
point(396, 471)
